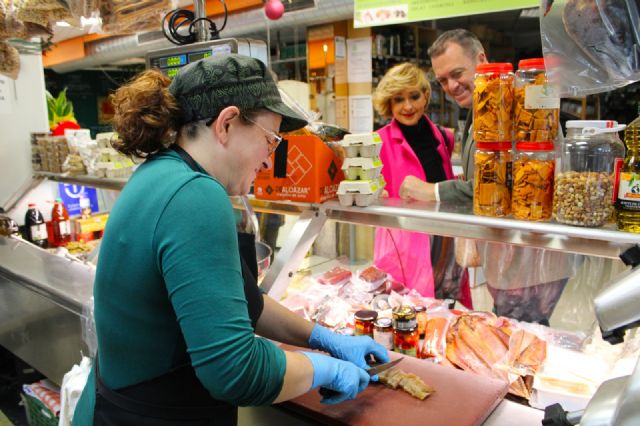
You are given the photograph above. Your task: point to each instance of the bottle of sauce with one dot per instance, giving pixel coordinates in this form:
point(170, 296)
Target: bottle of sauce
point(60, 224)
point(35, 228)
point(628, 199)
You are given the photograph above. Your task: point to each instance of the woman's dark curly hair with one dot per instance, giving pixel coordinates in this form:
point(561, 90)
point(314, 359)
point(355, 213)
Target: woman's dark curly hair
point(146, 114)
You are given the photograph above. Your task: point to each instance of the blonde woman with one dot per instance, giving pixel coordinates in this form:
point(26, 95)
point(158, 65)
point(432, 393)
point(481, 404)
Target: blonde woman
point(415, 150)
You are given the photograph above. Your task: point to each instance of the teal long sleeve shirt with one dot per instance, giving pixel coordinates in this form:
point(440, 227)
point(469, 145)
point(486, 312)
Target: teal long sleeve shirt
point(169, 290)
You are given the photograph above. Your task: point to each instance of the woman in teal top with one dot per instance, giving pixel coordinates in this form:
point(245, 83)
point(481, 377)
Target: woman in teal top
point(177, 308)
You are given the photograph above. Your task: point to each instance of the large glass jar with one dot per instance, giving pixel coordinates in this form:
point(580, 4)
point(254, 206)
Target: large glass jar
point(533, 172)
point(493, 103)
point(492, 179)
point(536, 110)
point(586, 173)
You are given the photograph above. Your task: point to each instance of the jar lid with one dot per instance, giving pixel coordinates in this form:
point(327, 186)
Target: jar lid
point(534, 146)
point(366, 315)
point(592, 127)
point(421, 308)
point(494, 67)
point(494, 146)
point(404, 313)
point(383, 322)
point(598, 124)
point(532, 64)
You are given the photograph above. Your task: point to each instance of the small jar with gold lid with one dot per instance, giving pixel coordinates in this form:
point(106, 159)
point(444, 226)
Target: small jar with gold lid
point(405, 330)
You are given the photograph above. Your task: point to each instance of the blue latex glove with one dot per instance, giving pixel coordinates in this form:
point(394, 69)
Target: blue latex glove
point(355, 349)
point(343, 377)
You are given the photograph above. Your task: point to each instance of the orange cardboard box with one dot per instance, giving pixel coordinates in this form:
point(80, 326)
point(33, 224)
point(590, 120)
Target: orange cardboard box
point(312, 175)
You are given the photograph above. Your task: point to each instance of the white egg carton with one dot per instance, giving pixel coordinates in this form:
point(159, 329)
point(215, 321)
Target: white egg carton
point(362, 193)
point(362, 144)
point(362, 168)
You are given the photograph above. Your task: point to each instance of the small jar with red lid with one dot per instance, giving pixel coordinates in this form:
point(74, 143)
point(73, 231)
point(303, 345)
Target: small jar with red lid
point(536, 110)
point(493, 103)
point(492, 179)
point(533, 172)
point(364, 322)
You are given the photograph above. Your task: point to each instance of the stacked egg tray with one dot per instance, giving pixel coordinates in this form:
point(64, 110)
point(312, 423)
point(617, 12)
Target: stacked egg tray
point(362, 168)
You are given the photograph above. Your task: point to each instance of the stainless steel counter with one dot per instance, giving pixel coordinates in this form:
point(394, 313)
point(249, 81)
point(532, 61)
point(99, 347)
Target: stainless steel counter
point(41, 306)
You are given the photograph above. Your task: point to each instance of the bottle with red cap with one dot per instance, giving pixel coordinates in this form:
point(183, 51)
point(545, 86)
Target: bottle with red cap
point(35, 228)
point(493, 103)
point(60, 224)
point(536, 110)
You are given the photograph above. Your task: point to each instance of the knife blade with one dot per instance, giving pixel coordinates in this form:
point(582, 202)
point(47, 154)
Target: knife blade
point(382, 367)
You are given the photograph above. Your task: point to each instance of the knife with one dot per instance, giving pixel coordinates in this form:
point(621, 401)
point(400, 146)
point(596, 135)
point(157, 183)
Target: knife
point(382, 367)
point(377, 369)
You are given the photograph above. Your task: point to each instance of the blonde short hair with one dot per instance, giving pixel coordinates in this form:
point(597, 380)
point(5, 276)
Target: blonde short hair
point(397, 79)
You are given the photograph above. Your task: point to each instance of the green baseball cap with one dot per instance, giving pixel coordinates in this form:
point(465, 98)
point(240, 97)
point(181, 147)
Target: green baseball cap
point(206, 87)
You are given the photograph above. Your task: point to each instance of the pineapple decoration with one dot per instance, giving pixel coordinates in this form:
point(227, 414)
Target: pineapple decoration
point(60, 112)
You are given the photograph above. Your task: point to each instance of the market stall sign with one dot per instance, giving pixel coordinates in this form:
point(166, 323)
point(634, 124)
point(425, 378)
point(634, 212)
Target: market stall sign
point(369, 13)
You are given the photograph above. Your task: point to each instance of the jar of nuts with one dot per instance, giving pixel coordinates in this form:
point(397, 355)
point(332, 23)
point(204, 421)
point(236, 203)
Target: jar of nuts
point(586, 173)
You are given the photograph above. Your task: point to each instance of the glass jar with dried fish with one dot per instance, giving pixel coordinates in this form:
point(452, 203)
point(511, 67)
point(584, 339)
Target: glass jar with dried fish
point(492, 179)
point(536, 110)
point(533, 170)
point(493, 103)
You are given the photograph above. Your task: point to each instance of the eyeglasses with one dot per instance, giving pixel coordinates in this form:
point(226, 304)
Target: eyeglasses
point(273, 138)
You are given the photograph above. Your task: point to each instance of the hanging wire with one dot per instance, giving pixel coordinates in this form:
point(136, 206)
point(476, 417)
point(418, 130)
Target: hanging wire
point(180, 18)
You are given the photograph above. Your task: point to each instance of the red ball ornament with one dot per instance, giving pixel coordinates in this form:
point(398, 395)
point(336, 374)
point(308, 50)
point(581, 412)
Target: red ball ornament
point(274, 9)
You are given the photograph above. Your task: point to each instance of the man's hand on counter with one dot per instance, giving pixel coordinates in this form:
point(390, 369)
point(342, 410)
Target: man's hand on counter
point(413, 188)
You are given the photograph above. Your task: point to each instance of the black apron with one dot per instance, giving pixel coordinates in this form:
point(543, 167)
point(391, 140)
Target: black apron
point(178, 397)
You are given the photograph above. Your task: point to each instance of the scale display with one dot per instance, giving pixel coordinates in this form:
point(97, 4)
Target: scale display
point(171, 64)
point(172, 59)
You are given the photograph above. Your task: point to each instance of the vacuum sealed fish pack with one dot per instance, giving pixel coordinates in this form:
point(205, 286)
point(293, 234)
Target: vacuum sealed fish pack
point(590, 46)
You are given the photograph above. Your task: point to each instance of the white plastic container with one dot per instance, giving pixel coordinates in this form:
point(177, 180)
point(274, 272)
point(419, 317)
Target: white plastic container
point(362, 145)
point(362, 168)
point(362, 193)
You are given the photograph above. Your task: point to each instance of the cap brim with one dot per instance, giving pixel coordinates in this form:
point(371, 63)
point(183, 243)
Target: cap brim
point(290, 120)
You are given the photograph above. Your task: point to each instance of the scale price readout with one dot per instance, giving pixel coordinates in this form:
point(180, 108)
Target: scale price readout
point(172, 59)
point(170, 65)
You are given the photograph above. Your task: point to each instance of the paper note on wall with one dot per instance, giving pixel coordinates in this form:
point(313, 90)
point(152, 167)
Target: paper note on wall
point(360, 114)
point(6, 95)
point(359, 69)
point(342, 111)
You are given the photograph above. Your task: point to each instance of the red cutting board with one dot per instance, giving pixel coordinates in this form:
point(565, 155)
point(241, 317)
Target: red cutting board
point(460, 399)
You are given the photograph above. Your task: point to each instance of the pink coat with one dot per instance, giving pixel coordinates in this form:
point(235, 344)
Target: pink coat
point(407, 255)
